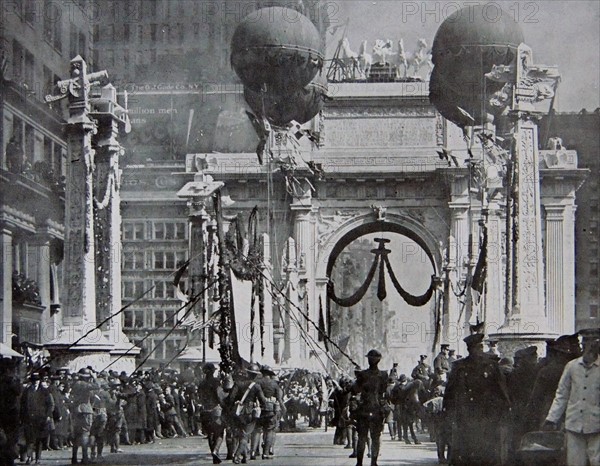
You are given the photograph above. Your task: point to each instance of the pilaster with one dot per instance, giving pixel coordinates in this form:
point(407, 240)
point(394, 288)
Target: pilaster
point(6, 270)
point(560, 267)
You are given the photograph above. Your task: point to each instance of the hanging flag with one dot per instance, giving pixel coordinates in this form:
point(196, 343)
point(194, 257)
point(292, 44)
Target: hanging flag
point(479, 275)
point(322, 328)
point(180, 295)
point(341, 343)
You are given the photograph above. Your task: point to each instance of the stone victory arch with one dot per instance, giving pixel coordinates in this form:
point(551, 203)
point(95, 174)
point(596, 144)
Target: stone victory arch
point(382, 174)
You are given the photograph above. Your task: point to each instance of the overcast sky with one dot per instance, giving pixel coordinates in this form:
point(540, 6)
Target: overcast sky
point(561, 32)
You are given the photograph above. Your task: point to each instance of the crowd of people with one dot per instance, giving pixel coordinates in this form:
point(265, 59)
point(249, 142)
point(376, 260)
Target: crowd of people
point(477, 409)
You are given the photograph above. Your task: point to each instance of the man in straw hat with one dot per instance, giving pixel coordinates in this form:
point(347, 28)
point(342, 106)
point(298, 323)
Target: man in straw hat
point(372, 408)
point(475, 403)
point(578, 398)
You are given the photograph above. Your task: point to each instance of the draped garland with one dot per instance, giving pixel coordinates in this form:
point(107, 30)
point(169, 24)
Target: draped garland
point(249, 265)
point(382, 262)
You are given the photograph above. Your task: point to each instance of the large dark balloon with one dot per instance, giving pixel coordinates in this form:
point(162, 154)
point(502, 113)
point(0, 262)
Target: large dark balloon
point(300, 105)
point(278, 48)
point(466, 46)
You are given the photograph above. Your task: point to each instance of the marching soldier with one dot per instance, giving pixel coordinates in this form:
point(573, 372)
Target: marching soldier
point(475, 403)
point(210, 395)
point(274, 408)
point(243, 403)
point(372, 409)
point(82, 413)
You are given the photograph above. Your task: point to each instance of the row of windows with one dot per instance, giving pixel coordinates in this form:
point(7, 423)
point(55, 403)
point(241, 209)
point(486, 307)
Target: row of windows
point(158, 260)
point(156, 289)
point(159, 349)
point(156, 230)
point(145, 318)
point(27, 146)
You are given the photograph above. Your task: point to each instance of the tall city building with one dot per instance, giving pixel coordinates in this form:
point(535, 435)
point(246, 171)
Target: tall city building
point(37, 41)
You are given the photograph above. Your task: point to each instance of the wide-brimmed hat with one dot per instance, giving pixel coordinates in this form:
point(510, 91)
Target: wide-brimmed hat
point(566, 344)
point(402, 378)
point(253, 369)
point(590, 333)
point(209, 367)
point(529, 352)
point(84, 373)
point(373, 354)
point(267, 370)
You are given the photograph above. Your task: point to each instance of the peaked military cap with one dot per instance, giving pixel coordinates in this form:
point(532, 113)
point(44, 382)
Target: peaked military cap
point(445, 346)
point(474, 339)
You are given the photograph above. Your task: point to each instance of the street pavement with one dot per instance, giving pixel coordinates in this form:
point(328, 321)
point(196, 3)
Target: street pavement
point(311, 447)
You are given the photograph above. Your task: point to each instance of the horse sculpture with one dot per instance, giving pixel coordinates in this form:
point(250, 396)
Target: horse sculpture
point(382, 50)
point(409, 399)
point(350, 60)
point(365, 59)
point(415, 61)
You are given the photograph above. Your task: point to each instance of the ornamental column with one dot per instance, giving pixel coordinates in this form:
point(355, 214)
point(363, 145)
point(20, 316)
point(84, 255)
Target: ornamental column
point(111, 118)
point(6, 309)
point(78, 344)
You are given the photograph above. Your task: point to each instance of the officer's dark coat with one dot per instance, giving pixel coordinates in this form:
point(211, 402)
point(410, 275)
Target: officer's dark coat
point(475, 401)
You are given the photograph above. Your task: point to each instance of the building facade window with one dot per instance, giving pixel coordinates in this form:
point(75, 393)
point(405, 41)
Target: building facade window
point(133, 289)
point(169, 230)
point(163, 290)
point(126, 32)
point(133, 260)
point(133, 230)
point(134, 318)
point(164, 317)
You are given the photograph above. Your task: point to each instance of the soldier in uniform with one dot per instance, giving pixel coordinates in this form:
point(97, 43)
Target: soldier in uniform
point(274, 407)
point(422, 371)
point(372, 409)
point(82, 414)
point(558, 353)
point(242, 402)
point(475, 403)
point(210, 395)
point(520, 386)
point(441, 366)
point(98, 431)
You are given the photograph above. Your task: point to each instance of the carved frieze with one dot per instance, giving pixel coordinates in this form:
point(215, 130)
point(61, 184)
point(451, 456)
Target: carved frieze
point(382, 127)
